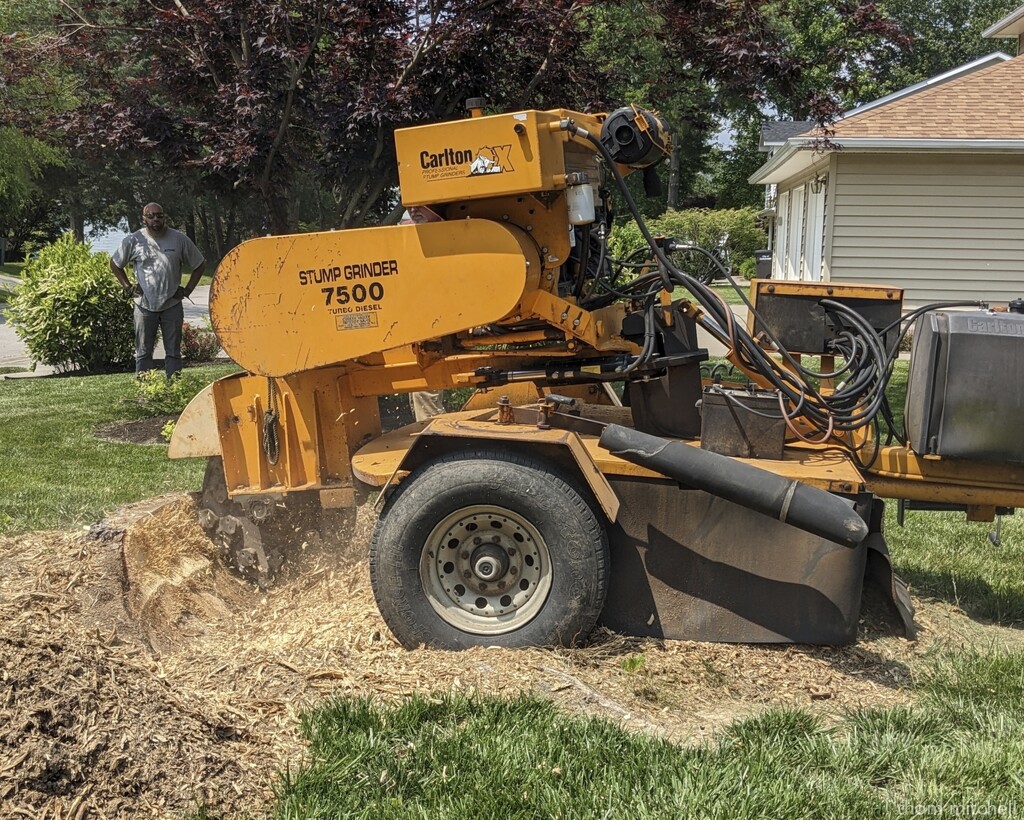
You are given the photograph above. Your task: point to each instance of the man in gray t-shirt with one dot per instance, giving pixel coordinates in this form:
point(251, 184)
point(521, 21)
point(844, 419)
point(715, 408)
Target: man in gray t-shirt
point(158, 255)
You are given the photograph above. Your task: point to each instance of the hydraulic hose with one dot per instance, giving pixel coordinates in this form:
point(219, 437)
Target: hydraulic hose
point(792, 502)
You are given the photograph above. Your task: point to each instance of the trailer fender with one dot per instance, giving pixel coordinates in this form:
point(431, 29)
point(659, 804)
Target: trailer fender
point(561, 447)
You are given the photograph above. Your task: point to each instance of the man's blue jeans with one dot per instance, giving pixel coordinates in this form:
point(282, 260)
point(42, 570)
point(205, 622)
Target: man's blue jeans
point(146, 323)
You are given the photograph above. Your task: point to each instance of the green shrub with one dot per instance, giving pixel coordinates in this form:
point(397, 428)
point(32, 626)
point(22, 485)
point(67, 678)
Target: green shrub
point(198, 344)
point(160, 396)
point(748, 268)
point(71, 312)
point(736, 231)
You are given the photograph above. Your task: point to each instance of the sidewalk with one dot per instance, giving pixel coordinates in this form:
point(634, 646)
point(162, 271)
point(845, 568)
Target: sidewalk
point(14, 354)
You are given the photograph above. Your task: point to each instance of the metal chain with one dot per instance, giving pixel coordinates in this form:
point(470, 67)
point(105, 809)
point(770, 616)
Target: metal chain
point(271, 443)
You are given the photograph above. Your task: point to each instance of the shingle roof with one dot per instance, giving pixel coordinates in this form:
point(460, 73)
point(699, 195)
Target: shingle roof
point(776, 133)
point(988, 104)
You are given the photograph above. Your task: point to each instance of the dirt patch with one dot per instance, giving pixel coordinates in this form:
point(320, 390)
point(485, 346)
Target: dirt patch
point(139, 431)
point(141, 678)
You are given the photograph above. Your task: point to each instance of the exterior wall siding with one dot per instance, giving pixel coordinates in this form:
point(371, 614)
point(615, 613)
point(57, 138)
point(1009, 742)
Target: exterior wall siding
point(944, 228)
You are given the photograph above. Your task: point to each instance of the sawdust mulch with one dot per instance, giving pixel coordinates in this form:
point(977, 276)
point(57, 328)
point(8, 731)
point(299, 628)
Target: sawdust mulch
point(141, 678)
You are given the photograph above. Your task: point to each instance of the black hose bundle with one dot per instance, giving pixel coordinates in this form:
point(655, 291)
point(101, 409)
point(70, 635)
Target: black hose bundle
point(859, 398)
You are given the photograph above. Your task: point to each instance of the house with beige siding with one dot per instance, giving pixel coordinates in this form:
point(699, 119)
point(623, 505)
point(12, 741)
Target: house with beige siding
point(923, 190)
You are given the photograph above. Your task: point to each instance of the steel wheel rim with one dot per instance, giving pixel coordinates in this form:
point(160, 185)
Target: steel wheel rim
point(486, 570)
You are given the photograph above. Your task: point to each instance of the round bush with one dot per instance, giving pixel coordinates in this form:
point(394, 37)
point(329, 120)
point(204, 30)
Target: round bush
point(71, 312)
point(198, 344)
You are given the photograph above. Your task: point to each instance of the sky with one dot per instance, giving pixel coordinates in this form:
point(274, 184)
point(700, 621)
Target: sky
point(108, 241)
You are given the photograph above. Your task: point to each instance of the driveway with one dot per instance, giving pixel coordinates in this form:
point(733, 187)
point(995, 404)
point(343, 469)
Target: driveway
point(14, 354)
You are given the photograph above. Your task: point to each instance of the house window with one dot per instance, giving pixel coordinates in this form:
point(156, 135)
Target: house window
point(800, 231)
point(814, 235)
point(795, 248)
point(781, 237)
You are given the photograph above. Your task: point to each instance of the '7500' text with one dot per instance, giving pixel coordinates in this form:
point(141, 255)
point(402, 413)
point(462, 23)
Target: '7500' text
point(358, 293)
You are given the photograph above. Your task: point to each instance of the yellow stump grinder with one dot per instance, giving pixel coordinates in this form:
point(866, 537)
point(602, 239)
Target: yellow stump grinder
point(602, 469)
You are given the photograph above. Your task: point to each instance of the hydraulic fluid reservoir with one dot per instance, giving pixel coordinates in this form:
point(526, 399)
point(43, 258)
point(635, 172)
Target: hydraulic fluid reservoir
point(965, 394)
point(580, 197)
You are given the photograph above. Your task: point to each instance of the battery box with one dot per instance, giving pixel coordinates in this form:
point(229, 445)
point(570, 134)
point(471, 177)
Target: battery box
point(742, 423)
point(965, 394)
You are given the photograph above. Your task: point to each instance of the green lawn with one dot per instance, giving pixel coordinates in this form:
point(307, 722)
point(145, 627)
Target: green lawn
point(726, 291)
point(453, 757)
point(55, 473)
point(12, 268)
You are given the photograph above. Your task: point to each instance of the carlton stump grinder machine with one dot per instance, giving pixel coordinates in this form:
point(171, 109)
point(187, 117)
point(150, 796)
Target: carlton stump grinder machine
point(602, 468)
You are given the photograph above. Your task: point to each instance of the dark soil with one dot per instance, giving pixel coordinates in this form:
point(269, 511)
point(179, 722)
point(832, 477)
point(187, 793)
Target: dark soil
point(140, 431)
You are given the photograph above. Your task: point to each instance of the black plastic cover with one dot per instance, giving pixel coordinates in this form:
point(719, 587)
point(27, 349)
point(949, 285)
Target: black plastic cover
point(635, 137)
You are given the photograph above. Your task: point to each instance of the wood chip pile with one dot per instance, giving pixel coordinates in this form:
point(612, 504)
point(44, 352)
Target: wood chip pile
point(139, 677)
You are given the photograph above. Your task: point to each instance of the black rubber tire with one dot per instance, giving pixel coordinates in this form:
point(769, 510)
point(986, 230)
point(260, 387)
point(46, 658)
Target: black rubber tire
point(530, 490)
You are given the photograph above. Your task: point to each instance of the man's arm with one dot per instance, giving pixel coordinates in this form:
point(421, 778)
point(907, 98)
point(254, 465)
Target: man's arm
point(193, 279)
point(121, 277)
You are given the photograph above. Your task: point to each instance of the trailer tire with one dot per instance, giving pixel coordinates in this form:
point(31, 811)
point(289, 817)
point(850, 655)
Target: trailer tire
point(489, 549)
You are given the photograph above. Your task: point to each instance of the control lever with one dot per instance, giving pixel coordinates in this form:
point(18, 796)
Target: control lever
point(551, 404)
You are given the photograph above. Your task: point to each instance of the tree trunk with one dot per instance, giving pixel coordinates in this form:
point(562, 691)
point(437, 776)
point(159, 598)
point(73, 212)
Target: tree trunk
point(275, 200)
point(673, 178)
point(76, 216)
point(190, 225)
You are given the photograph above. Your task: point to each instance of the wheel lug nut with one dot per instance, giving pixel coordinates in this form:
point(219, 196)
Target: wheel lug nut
point(467, 574)
point(513, 571)
point(477, 540)
point(464, 555)
point(495, 539)
point(511, 550)
point(501, 584)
